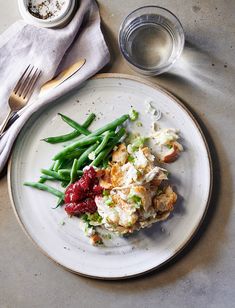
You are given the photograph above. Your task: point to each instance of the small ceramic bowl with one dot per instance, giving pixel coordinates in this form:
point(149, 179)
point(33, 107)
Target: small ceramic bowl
point(60, 18)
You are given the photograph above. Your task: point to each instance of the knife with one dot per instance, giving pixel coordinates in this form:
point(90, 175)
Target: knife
point(55, 82)
point(64, 75)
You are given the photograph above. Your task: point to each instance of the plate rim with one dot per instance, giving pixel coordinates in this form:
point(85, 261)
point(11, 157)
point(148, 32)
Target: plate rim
point(196, 228)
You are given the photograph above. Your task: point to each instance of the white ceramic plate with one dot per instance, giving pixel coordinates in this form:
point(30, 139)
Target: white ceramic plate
point(110, 96)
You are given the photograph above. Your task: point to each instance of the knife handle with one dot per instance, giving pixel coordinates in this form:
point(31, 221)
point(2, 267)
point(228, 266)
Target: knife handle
point(68, 72)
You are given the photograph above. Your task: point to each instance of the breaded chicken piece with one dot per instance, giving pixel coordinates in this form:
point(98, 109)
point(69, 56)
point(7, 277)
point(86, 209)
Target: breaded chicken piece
point(165, 202)
point(105, 178)
point(120, 155)
point(148, 154)
point(116, 175)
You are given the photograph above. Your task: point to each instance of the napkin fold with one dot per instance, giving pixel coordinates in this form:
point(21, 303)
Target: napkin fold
point(51, 50)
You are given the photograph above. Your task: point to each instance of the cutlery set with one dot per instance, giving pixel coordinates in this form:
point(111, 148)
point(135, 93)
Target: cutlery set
point(25, 87)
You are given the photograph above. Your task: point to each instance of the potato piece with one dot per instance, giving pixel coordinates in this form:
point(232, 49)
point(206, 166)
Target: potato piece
point(173, 153)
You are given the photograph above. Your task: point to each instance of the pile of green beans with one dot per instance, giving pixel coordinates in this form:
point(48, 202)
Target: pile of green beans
point(69, 162)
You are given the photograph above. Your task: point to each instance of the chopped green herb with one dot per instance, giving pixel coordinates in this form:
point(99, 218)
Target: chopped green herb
point(136, 199)
point(139, 124)
point(130, 158)
point(84, 217)
point(87, 218)
point(95, 217)
point(109, 201)
point(133, 114)
point(105, 193)
point(169, 146)
point(138, 143)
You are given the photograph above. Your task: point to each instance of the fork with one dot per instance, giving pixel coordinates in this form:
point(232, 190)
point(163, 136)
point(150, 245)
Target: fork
point(22, 92)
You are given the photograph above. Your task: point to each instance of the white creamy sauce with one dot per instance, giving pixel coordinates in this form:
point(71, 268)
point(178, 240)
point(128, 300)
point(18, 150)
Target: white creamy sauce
point(104, 210)
point(122, 195)
point(84, 227)
point(130, 173)
point(151, 175)
point(140, 159)
point(165, 136)
point(115, 214)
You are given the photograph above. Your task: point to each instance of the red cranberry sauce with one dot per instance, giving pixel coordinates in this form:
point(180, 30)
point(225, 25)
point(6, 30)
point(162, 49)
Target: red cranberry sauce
point(79, 196)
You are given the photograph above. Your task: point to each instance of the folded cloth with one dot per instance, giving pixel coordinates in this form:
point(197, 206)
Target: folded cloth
point(51, 50)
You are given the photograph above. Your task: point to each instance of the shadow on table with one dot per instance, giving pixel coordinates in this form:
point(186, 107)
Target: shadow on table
point(199, 78)
point(197, 70)
point(3, 172)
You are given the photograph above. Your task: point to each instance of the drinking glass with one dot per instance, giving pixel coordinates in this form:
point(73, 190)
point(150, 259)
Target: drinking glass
point(151, 39)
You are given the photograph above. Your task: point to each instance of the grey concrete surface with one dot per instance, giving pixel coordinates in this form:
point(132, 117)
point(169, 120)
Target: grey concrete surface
point(204, 79)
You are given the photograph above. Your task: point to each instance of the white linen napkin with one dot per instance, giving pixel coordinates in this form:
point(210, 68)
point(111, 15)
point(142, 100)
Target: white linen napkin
point(51, 50)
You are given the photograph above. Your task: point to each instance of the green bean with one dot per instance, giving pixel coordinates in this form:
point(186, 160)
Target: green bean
point(67, 164)
point(103, 143)
point(83, 158)
point(66, 178)
point(112, 125)
point(80, 143)
point(74, 154)
point(57, 165)
point(73, 173)
point(53, 174)
point(47, 178)
point(75, 125)
point(93, 137)
point(64, 184)
point(45, 187)
point(66, 173)
point(43, 180)
point(105, 162)
point(103, 154)
point(72, 135)
point(59, 203)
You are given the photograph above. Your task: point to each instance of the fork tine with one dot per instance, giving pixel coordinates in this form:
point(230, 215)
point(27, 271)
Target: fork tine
point(24, 83)
point(29, 81)
point(20, 80)
point(30, 89)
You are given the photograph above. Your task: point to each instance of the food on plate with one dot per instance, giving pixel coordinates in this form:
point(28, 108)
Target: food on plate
point(113, 181)
point(167, 141)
